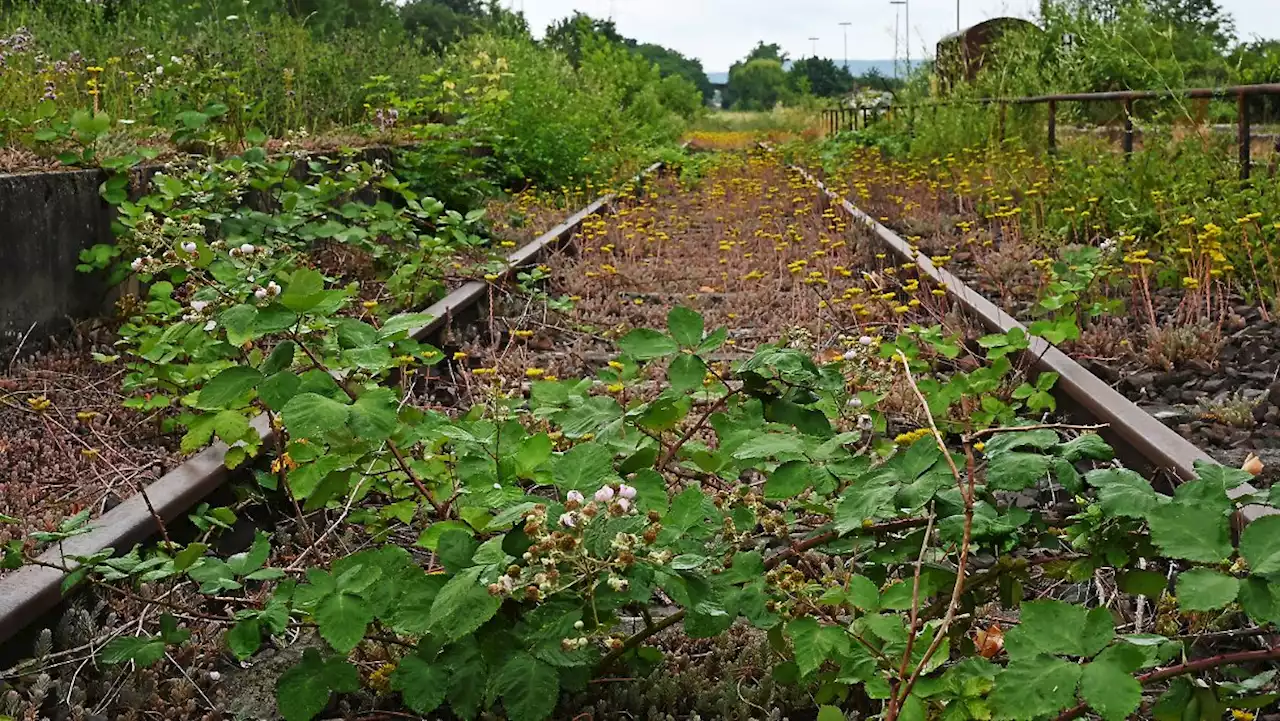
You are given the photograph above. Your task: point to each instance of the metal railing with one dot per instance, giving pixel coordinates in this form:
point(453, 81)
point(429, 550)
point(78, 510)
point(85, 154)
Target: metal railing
point(837, 119)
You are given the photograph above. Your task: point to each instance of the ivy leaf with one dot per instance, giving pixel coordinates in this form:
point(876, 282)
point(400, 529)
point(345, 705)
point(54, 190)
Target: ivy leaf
point(686, 373)
point(1123, 492)
point(310, 415)
point(686, 326)
point(1057, 628)
point(1260, 545)
point(1203, 589)
point(1109, 687)
point(1187, 532)
point(421, 683)
point(242, 564)
point(530, 688)
point(788, 480)
point(1035, 687)
point(228, 387)
point(462, 606)
point(830, 713)
point(303, 691)
point(646, 344)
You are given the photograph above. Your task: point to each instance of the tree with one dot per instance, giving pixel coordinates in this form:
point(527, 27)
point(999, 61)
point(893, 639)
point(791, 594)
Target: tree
point(772, 51)
point(819, 76)
point(671, 63)
point(440, 22)
point(757, 85)
point(568, 35)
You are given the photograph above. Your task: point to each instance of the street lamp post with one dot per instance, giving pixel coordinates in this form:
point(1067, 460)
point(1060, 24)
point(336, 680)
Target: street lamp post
point(815, 46)
point(845, 27)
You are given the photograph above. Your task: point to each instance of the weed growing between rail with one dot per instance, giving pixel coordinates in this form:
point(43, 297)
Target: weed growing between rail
point(950, 553)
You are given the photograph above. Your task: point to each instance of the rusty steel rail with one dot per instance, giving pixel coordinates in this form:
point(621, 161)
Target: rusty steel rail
point(1155, 442)
point(34, 590)
point(837, 119)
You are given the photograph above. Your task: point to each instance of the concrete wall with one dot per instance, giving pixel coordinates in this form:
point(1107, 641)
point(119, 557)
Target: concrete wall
point(46, 219)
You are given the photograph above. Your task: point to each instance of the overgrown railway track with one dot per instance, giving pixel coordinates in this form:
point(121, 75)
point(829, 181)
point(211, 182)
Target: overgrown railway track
point(741, 242)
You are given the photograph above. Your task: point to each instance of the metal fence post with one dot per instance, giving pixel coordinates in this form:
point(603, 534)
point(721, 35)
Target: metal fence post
point(1242, 131)
point(1128, 128)
point(1053, 126)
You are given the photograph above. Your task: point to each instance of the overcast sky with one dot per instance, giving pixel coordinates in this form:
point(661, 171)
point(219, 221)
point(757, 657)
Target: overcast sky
point(718, 32)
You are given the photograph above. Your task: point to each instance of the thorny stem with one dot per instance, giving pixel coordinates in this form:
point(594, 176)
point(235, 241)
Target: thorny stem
point(702, 422)
point(915, 599)
point(1204, 664)
point(899, 694)
point(1037, 427)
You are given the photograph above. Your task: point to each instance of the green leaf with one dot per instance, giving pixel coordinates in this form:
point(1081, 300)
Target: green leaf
point(1187, 532)
point(343, 618)
point(646, 344)
point(421, 683)
point(530, 689)
point(1260, 545)
point(430, 538)
point(788, 480)
point(462, 606)
point(310, 415)
point(685, 326)
point(245, 638)
point(142, 650)
point(830, 713)
point(239, 322)
point(1088, 446)
point(281, 358)
point(815, 643)
point(686, 373)
point(1016, 470)
point(303, 691)
point(249, 561)
point(1035, 687)
point(277, 390)
point(770, 445)
point(1109, 687)
point(863, 594)
point(1123, 492)
point(228, 387)
point(304, 292)
point(374, 414)
point(1058, 628)
point(1202, 589)
point(585, 467)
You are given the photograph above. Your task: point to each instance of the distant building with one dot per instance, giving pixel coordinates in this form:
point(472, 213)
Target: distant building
point(963, 53)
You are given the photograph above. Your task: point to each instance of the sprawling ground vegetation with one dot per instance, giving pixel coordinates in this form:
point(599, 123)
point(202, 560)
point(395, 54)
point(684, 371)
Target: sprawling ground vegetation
point(719, 455)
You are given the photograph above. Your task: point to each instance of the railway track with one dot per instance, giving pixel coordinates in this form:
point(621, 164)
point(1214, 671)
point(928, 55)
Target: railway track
point(763, 249)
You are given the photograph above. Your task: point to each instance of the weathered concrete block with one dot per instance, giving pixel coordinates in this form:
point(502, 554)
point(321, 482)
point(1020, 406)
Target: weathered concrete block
point(46, 219)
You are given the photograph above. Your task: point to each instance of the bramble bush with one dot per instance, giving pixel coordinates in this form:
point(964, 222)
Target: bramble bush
point(545, 522)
